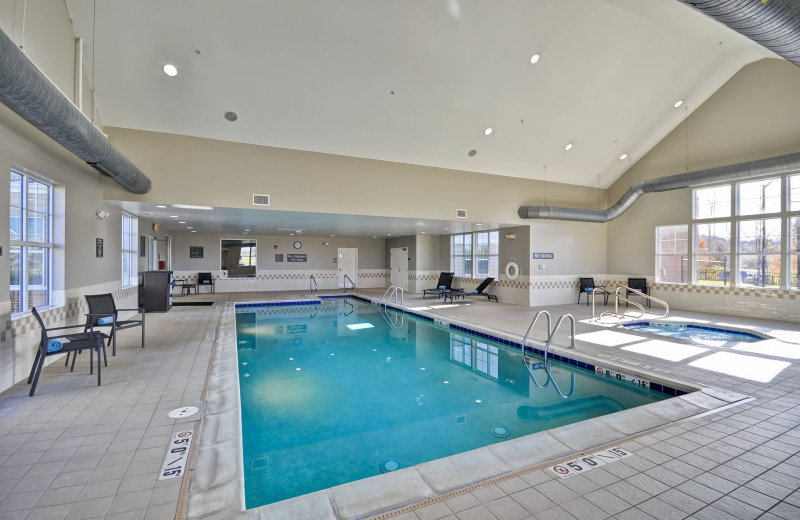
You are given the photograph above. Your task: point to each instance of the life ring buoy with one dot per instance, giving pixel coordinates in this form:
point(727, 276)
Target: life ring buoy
point(512, 270)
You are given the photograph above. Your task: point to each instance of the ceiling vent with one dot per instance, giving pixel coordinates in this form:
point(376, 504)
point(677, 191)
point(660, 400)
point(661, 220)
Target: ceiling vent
point(461, 213)
point(260, 200)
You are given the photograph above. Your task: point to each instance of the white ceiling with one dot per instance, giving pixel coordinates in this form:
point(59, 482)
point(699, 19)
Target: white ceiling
point(416, 81)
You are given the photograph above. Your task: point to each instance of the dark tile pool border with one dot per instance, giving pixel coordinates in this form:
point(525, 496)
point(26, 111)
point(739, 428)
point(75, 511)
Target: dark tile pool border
point(658, 387)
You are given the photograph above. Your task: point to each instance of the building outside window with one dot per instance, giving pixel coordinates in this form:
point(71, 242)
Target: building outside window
point(130, 261)
point(712, 253)
point(479, 261)
point(672, 254)
point(247, 256)
point(31, 243)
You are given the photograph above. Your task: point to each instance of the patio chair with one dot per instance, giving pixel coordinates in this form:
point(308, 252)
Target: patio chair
point(444, 284)
point(52, 344)
point(103, 312)
point(478, 291)
point(588, 286)
point(205, 280)
point(637, 286)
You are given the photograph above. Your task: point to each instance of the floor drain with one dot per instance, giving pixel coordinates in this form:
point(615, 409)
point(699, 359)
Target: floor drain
point(186, 411)
point(390, 465)
point(500, 431)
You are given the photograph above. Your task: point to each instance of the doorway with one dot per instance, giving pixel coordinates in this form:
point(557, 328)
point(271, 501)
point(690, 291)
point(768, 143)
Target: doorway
point(399, 267)
point(348, 267)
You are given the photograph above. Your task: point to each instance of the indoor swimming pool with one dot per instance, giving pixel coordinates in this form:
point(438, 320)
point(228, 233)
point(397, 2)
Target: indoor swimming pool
point(336, 391)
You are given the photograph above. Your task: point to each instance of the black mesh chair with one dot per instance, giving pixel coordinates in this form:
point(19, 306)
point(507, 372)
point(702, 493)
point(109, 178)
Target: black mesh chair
point(587, 286)
point(101, 308)
point(52, 344)
point(637, 286)
point(205, 280)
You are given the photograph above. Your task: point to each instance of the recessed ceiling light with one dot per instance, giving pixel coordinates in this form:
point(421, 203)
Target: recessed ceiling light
point(231, 116)
point(170, 70)
point(423, 232)
point(247, 230)
point(388, 234)
point(333, 235)
point(623, 157)
point(568, 147)
point(190, 206)
point(291, 234)
point(174, 216)
point(678, 103)
point(535, 59)
point(188, 227)
point(374, 237)
point(488, 131)
point(447, 229)
point(194, 231)
point(478, 224)
point(160, 206)
point(182, 222)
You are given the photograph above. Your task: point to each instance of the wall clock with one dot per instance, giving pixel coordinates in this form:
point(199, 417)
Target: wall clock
point(298, 245)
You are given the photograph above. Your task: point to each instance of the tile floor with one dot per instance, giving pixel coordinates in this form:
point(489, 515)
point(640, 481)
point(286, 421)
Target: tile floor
point(76, 450)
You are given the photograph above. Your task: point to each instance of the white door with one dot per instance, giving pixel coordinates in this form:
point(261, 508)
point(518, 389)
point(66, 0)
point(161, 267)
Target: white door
point(348, 266)
point(152, 253)
point(399, 266)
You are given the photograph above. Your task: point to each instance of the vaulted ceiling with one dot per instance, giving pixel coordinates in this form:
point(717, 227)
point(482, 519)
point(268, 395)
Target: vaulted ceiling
point(417, 81)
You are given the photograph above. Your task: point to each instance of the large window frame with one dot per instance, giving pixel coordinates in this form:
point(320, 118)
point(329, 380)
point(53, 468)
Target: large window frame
point(672, 254)
point(130, 253)
point(475, 254)
point(30, 242)
point(761, 250)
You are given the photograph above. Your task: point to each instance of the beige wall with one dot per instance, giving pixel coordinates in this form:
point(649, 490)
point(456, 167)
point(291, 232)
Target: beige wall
point(755, 115)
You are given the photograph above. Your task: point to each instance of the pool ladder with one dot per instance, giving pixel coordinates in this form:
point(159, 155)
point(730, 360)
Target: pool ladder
point(398, 320)
point(344, 283)
point(546, 365)
point(624, 314)
point(312, 285)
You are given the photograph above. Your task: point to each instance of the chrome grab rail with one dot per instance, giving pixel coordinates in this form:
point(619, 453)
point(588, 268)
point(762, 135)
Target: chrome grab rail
point(530, 327)
point(344, 282)
point(618, 297)
point(547, 352)
point(395, 322)
point(392, 291)
point(315, 287)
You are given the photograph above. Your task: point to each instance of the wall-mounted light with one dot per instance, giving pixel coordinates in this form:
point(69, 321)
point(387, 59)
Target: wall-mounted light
point(103, 214)
point(511, 236)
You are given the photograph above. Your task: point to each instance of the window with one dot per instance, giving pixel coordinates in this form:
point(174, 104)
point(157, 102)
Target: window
point(475, 262)
point(672, 254)
point(712, 248)
point(486, 254)
point(759, 248)
point(130, 261)
point(31, 244)
point(759, 197)
point(712, 202)
point(247, 256)
point(461, 255)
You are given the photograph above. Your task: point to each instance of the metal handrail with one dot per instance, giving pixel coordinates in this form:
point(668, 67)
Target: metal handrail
point(618, 297)
point(313, 288)
point(344, 282)
point(530, 327)
point(391, 291)
point(547, 352)
point(396, 322)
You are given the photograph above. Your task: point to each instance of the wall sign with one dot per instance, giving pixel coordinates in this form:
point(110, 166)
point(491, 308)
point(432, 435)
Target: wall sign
point(294, 257)
point(278, 258)
point(195, 252)
point(544, 256)
point(98, 247)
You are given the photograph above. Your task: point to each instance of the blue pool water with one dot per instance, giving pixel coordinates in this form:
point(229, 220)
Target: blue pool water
point(693, 332)
point(336, 392)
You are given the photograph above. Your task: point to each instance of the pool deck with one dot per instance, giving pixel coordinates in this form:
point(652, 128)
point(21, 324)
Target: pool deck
point(76, 450)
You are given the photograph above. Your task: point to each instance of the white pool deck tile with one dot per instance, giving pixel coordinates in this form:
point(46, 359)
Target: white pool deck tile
point(76, 450)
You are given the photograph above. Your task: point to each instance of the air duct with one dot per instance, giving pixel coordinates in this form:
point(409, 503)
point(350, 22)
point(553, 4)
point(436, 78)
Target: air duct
point(721, 174)
point(775, 24)
point(27, 91)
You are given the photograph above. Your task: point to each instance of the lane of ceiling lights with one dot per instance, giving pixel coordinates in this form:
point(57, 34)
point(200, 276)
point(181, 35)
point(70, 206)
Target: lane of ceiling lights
point(569, 146)
point(171, 70)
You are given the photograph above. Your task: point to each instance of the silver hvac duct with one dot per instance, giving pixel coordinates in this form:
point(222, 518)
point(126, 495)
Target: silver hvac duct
point(721, 174)
point(775, 24)
point(28, 92)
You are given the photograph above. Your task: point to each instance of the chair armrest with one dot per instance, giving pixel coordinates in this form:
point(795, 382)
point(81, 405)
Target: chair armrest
point(137, 310)
point(90, 335)
point(48, 329)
